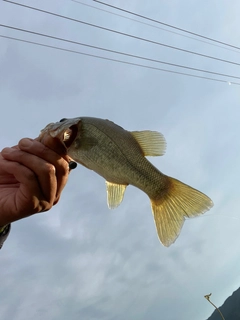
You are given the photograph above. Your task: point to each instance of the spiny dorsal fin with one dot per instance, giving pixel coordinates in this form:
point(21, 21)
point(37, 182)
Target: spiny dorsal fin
point(152, 143)
point(115, 193)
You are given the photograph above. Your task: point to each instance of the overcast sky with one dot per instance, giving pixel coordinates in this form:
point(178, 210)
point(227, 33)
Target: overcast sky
point(82, 260)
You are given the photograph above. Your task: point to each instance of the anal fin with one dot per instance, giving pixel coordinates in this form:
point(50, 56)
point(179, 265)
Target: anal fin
point(115, 193)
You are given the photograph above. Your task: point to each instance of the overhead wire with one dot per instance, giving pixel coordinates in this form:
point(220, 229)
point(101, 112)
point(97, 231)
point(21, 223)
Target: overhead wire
point(122, 33)
point(112, 51)
point(119, 61)
point(165, 24)
point(154, 26)
point(117, 52)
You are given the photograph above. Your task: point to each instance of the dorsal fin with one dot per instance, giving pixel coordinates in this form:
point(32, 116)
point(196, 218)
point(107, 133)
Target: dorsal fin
point(115, 193)
point(152, 143)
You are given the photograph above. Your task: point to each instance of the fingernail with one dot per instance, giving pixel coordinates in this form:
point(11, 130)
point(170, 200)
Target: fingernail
point(25, 143)
point(72, 165)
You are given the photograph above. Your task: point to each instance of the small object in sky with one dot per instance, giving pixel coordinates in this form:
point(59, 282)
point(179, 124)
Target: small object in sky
point(118, 155)
point(207, 296)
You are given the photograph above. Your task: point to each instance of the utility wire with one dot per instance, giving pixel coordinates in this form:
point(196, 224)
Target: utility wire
point(155, 26)
point(119, 61)
point(117, 52)
point(165, 24)
point(123, 34)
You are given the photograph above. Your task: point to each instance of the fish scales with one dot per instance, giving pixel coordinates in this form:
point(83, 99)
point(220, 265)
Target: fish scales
point(113, 153)
point(118, 155)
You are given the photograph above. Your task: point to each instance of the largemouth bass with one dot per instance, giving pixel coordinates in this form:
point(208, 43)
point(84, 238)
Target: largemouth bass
point(118, 156)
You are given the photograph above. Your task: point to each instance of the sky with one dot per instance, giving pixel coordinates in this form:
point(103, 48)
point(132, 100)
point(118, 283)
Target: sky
point(81, 260)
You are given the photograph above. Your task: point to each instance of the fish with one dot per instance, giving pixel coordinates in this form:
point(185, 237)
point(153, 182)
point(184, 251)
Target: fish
point(119, 156)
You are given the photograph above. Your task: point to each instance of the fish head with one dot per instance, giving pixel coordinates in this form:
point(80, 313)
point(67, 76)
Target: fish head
point(59, 136)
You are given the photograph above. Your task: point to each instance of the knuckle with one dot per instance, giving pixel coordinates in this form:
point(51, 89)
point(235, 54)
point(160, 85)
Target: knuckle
point(50, 169)
point(63, 167)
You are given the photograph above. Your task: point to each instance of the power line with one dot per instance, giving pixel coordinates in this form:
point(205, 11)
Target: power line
point(154, 26)
point(165, 24)
point(124, 34)
point(117, 52)
point(119, 61)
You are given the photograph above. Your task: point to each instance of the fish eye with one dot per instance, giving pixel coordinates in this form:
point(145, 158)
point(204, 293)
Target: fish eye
point(63, 119)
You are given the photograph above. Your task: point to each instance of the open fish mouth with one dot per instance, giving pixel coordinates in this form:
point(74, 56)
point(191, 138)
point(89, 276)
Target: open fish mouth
point(69, 135)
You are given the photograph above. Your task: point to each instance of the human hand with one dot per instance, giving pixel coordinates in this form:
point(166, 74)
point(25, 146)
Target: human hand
point(32, 177)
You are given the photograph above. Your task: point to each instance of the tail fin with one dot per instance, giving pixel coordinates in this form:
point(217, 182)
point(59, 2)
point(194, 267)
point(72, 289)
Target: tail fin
point(178, 202)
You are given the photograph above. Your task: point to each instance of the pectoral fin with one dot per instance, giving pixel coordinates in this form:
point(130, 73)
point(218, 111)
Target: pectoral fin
point(115, 193)
point(152, 143)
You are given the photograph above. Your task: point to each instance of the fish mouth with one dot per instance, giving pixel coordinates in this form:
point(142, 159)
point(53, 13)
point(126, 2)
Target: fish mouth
point(69, 135)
